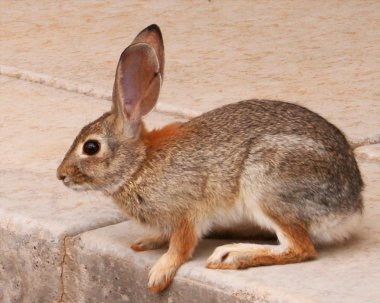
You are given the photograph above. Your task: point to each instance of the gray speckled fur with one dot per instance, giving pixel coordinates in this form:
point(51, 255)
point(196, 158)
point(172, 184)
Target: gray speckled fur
point(205, 163)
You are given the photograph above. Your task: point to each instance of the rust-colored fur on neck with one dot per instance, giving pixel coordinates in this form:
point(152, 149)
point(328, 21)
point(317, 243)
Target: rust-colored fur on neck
point(155, 138)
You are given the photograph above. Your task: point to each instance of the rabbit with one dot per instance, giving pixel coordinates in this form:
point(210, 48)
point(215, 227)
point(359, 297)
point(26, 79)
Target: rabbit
point(274, 164)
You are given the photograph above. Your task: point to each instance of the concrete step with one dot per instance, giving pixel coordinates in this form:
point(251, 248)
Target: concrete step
point(100, 265)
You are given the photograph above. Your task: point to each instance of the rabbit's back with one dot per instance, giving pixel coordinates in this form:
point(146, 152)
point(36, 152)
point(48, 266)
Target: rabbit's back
point(254, 119)
point(290, 141)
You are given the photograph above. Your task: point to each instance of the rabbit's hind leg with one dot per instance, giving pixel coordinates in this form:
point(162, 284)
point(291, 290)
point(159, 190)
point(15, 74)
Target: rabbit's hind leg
point(295, 246)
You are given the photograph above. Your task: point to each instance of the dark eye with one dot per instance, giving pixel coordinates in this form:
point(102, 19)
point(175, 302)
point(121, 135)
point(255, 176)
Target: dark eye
point(91, 147)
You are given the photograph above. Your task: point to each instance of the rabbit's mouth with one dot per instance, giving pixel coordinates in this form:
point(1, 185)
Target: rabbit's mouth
point(75, 186)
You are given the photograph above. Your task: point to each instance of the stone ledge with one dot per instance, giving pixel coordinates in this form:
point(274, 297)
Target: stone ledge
point(370, 153)
point(101, 265)
point(87, 90)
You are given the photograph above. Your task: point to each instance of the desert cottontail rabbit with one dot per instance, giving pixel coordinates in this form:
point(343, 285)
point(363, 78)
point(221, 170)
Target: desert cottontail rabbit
point(273, 163)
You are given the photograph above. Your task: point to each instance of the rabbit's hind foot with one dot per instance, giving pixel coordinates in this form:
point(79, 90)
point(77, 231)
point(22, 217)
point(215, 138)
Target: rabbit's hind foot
point(295, 246)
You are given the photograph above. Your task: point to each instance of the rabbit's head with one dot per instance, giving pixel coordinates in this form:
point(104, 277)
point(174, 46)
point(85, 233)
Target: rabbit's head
point(109, 150)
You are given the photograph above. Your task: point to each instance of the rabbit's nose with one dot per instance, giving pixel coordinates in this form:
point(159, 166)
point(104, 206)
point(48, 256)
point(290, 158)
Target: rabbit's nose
point(61, 176)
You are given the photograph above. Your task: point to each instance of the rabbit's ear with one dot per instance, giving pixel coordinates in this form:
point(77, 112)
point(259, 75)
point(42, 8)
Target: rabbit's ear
point(138, 79)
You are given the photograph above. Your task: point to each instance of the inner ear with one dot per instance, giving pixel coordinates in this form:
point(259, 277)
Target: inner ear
point(137, 85)
point(138, 78)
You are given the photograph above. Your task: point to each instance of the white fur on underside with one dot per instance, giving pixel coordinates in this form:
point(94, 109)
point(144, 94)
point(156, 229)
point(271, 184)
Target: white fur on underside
point(334, 228)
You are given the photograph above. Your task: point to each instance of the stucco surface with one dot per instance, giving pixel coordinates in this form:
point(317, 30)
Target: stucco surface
point(320, 54)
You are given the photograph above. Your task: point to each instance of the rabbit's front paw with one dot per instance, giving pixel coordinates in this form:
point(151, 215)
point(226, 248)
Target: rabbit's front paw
point(150, 243)
point(161, 274)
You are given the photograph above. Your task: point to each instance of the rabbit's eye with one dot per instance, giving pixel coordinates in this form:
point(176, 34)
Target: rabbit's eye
point(91, 147)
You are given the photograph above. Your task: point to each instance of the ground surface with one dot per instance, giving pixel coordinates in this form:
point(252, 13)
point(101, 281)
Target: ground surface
point(57, 63)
